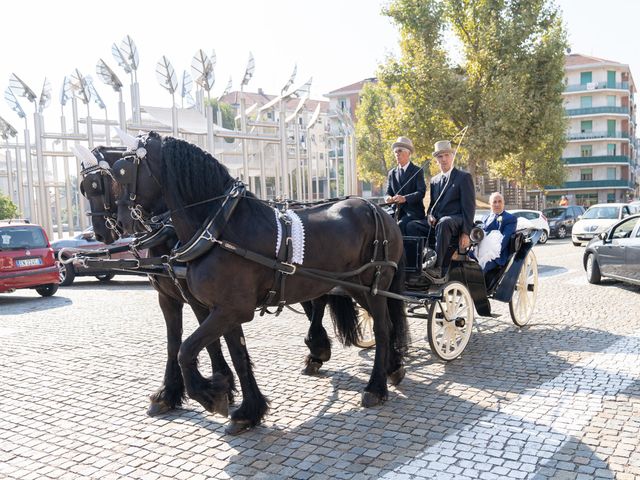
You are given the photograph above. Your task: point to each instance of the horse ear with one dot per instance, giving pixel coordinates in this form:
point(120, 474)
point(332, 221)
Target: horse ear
point(128, 141)
point(87, 159)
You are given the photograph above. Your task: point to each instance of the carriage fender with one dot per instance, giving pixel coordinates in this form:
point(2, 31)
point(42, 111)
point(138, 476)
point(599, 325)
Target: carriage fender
point(470, 274)
point(504, 290)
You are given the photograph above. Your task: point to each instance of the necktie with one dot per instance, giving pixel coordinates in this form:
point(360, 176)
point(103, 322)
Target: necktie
point(443, 183)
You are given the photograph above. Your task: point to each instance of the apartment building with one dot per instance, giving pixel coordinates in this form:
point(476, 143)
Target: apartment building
point(600, 156)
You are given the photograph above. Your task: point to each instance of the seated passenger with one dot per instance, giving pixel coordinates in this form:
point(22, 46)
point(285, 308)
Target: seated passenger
point(498, 220)
point(451, 209)
point(405, 185)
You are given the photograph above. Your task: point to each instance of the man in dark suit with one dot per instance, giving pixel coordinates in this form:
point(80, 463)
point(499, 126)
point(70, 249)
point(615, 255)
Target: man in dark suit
point(451, 209)
point(405, 185)
point(499, 219)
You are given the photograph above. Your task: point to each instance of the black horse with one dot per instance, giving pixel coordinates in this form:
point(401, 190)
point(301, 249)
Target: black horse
point(102, 191)
point(346, 237)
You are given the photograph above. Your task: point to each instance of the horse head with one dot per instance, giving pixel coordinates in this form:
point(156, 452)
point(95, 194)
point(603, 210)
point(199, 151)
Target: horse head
point(100, 189)
point(138, 174)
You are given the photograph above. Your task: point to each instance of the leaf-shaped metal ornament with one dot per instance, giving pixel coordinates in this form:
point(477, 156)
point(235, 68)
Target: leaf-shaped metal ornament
point(12, 101)
point(202, 67)
point(6, 130)
point(80, 87)
point(45, 96)
point(314, 117)
point(187, 86)
point(66, 92)
point(290, 81)
point(248, 73)
point(120, 58)
point(304, 90)
point(227, 89)
point(94, 93)
point(166, 75)
point(108, 76)
point(130, 51)
point(20, 88)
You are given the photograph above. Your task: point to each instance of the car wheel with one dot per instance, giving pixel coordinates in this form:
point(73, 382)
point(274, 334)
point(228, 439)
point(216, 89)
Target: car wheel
point(593, 269)
point(66, 273)
point(544, 237)
point(562, 232)
point(47, 290)
point(105, 277)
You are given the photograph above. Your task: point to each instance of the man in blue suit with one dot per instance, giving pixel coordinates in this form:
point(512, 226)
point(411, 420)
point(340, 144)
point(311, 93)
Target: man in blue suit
point(451, 209)
point(499, 219)
point(405, 185)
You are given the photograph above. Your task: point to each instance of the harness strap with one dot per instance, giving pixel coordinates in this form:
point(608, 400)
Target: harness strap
point(285, 254)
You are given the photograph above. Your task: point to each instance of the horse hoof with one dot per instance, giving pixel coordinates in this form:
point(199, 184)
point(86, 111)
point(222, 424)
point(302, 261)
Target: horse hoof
point(312, 368)
point(158, 408)
point(220, 404)
point(370, 399)
point(396, 377)
point(236, 427)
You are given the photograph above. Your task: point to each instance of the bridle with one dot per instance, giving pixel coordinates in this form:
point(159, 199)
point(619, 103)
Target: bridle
point(96, 183)
point(125, 172)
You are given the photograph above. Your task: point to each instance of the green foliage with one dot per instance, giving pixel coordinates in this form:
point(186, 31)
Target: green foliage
point(228, 115)
point(8, 209)
point(506, 87)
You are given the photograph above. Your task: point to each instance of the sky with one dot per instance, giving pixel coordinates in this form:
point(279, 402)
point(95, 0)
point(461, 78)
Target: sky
point(337, 42)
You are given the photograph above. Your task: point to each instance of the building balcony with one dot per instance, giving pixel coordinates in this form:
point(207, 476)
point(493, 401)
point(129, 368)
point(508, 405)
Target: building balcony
point(593, 184)
point(588, 87)
point(596, 159)
point(572, 112)
point(596, 135)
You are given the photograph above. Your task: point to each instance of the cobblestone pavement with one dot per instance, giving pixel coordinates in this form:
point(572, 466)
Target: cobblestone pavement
point(558, 399)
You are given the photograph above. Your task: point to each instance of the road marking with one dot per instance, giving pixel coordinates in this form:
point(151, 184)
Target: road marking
point(550, 415)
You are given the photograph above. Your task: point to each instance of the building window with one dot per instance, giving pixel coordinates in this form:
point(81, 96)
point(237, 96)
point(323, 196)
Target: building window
point(585, 77)
point(586, 102)
point(586, 126)
point(586, 199)
point(586, 174)
point(611, 173)
point(611, 198)
point(611, 149)
point(342, 104)
point(611, 100)
point(586, 150)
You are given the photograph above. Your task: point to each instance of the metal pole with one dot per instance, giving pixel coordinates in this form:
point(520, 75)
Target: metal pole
point(27, 152)
point(56, 197)
point(243, 127)
point(284, 170)
point(44, 208)
point(307, 145)
point(67, 179)
point(210, 138)
point(122, 115)
point(174, 119)
point(346, 165)
point(299, 182)
point(12, 194)
point(20, 182)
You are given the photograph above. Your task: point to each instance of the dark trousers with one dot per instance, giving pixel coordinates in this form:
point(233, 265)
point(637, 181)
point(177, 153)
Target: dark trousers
point(404, 221)
point(444, 232)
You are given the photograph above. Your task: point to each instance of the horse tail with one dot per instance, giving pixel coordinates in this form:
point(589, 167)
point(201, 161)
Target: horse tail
point(345, 319)
point(400, 337)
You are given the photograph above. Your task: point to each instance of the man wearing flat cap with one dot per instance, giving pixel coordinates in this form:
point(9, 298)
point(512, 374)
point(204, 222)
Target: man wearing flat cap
point(405, 185)
point(451, 209)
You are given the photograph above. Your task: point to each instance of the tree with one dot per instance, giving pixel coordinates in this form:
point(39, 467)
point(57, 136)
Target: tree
point(506, 87)
point(8, 209)
point(228, 115)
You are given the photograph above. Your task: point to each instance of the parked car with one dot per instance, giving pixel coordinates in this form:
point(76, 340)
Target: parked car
point(480, 214)
point(562, 219)
point(537, 218)
point(597, 219)
point(26, 259)
point(87, 241)
point(634, 207)
point(615, 253)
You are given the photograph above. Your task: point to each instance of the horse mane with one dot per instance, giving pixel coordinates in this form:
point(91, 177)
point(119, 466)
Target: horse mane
point(193, 175)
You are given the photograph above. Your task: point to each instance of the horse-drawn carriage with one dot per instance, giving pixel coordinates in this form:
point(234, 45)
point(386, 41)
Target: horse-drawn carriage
point(238, 253)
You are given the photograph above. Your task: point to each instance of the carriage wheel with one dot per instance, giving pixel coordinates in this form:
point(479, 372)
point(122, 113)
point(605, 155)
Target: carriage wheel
point(523, 301)
point(450, 321)
point(365, 325)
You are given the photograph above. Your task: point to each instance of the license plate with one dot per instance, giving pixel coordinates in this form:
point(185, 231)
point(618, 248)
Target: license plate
point(28, 262)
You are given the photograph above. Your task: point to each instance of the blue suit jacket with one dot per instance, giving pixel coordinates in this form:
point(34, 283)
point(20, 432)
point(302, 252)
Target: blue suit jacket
point(507, 227)
point(412, 186)
point(458, 198)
